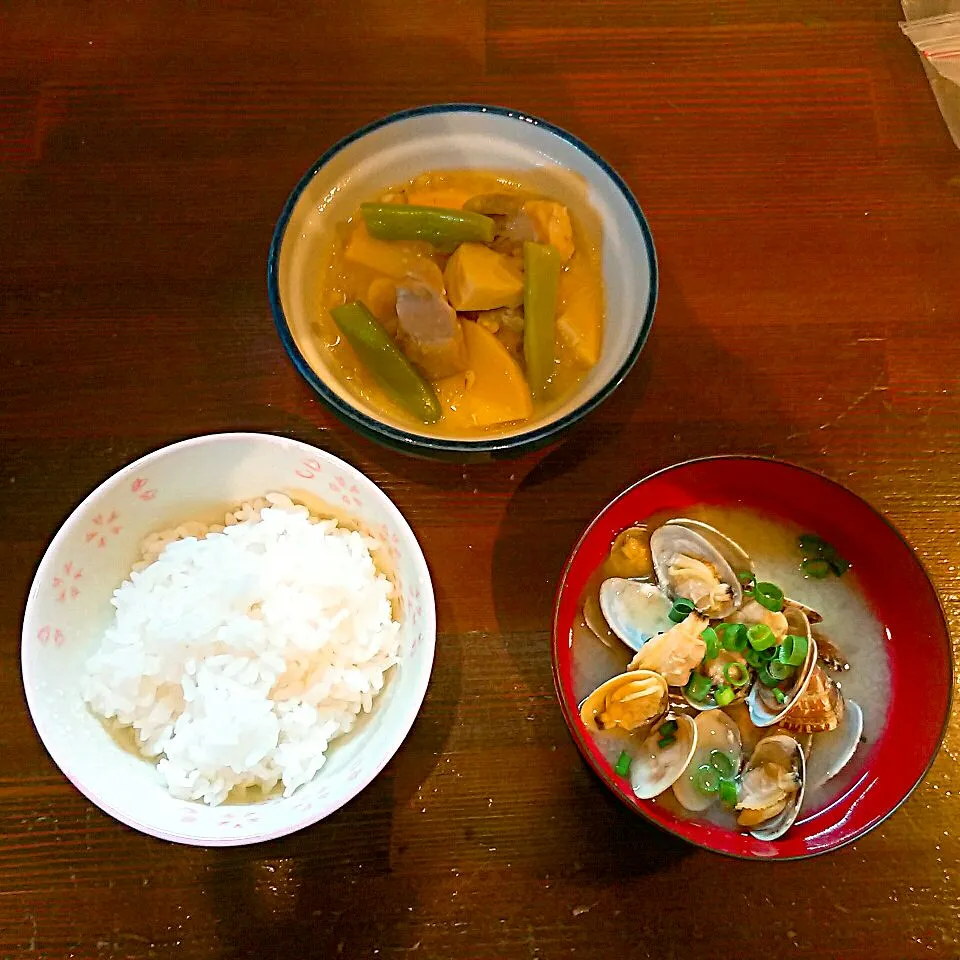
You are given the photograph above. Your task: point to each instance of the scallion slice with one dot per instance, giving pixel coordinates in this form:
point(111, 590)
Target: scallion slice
point(766, 678)
point(734, 636)
point(768, 595)
point(747, 579)
point(706, 780)
point(779, 670)
point(665, 742)
point(736, 674)
point(728, 792)
point(710, 638)
point(668, 729)
point(721, 762)
point(724, 695)
point(623, 764)
point(698, 687)
point(794, 649)
point(761, 637)
point(815, 567)
point(682, 608)
point(778, 695)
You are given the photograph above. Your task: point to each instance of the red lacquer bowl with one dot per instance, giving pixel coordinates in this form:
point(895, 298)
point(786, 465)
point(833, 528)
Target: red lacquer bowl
point(897, 588)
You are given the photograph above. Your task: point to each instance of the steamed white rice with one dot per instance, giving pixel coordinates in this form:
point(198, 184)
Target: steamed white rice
point(238, 652)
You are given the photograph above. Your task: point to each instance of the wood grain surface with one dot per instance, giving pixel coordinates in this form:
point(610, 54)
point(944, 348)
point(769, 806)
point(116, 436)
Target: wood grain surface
point(804, 196)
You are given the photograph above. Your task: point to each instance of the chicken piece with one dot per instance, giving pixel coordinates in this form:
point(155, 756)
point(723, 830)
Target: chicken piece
point(428, 331)
point(478, 278)
point(551, 220)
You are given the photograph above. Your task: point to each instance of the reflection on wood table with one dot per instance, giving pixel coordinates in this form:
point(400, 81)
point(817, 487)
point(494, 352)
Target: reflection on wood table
point(804, 196)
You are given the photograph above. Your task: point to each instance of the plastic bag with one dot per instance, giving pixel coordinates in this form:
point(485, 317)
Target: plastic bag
point(934, 28)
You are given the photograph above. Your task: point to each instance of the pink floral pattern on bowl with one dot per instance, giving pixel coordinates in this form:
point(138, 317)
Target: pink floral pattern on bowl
point(70, 598)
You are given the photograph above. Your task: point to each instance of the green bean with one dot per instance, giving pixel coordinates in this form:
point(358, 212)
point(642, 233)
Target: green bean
point(382, 357)
point(437, 225)
point(541, 270)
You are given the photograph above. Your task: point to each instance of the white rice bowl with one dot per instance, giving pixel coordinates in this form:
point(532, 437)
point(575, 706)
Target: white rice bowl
point(273, 649)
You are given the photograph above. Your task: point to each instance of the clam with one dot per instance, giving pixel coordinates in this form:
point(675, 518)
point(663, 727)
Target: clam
point(752, 613)
point(632, 701)
point(819, 709)
point(714, 669)
point(593, 617)
point(634, 610)
point(675, 653)
point(630, 554)
point(812, 614)
point(655, 769)
point(833, 750)
point(829, 652)
point(730, 550)
point(715, 731)
point(764, 708)
point(688, 565)
point(772, 787)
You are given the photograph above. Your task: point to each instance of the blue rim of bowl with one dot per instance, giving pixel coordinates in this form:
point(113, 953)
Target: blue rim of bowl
point(398, 436)
point(605, 779)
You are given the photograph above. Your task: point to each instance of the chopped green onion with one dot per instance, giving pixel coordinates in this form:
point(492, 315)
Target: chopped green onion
point(735, 674)
point(769, 654)
point(839, 566)
point(754, 657)
point(761, 637)
point(768, 595)
point(623, 764)
point(710, 638)
point(734, 636)
point(721, 762)
point(778, 695)
point(665, 742)
point(724, 695)
point(706, 780)
point(815, 568)
point(728, 792)
point(747, 579)
point(779, 670)
point(682, 608)
point(766, 678)
point(813, 546)
point(794, 650)
point(668, 729)
point(699, 687)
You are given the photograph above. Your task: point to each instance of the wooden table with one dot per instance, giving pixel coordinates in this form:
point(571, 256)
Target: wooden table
point(804, 196)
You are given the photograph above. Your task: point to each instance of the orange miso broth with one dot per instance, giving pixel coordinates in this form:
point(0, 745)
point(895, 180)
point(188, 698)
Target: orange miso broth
point(457, 309)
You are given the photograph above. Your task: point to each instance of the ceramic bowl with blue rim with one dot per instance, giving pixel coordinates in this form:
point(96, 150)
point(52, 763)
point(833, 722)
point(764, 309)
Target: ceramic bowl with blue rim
point(457, 136)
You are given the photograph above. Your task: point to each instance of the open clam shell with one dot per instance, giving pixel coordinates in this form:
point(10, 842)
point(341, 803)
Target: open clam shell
point(730, 550)
point(635, 611)
point(784, 751)
point(717, 593)
point(632, 701)
point(593, 617)
point(833, 751)
point(764, 709)
point(654, 769)
point(715, 731)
